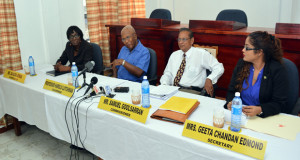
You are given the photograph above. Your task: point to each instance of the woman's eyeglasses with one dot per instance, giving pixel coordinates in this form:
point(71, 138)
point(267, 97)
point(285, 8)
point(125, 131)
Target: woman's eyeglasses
point(73, 36)
point(249, 49)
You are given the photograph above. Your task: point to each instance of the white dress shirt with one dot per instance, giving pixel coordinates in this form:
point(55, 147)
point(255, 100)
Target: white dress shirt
point(197, 61)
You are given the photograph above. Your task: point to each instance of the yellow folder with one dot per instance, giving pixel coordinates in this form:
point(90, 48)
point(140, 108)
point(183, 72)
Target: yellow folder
point(179, 104)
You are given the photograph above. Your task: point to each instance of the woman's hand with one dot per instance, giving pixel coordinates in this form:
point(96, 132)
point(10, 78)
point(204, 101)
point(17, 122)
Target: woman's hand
point(56, 66)
point(63, 68)
point(229, 105)
point(252, 110)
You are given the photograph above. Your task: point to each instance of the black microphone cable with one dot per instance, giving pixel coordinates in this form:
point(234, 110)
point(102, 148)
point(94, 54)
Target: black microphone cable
point(66, 113)
point(86, 113)
point(76, 134)
point(71, 141)
point(72, 123)
point(76, 115)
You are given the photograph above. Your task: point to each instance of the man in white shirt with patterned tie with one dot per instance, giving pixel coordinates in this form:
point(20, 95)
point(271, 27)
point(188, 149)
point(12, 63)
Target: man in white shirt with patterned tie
point(186, 67)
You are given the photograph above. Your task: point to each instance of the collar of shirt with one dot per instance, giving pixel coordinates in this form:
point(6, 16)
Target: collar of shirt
point(188, 53)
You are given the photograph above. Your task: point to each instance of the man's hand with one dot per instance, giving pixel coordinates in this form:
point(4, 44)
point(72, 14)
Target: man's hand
point(209, 87)
point(116, 62)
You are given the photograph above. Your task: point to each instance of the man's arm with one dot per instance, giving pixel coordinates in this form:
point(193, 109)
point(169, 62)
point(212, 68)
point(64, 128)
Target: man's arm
point(166, 78)
point(136, 71)
point(217, 70)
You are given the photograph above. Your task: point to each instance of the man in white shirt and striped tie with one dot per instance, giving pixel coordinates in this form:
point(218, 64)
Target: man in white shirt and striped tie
point(187, 67)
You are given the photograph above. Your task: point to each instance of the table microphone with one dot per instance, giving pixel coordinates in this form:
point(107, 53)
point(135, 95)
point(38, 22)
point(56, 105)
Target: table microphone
point(96, 91)
point(94, 80)
point(87, 67)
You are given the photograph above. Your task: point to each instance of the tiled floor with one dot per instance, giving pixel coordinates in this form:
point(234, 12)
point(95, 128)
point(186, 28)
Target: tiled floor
point(35, 144)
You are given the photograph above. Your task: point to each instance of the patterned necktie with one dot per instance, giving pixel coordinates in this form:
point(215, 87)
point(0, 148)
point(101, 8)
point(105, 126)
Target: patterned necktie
point(180, 71)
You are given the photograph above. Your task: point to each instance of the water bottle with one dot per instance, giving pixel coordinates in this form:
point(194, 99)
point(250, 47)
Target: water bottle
point(31, 66)
point(74, 71)
point(145, 93)
point(236, 113)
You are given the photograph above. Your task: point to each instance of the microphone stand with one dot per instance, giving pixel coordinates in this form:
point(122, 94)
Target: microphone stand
point(84, 83)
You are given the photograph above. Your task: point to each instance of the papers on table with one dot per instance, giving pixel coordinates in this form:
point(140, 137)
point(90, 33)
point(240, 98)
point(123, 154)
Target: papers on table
point(163, 91)
point(281, 125)
point(179, 104)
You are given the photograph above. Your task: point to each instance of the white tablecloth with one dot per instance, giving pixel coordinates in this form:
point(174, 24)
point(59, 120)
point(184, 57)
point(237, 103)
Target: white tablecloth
point(111, 136)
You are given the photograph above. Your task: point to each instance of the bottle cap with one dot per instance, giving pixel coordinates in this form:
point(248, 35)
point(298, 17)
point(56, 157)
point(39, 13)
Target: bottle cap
point(237, 94)
point(145, 77)
point(73, 63)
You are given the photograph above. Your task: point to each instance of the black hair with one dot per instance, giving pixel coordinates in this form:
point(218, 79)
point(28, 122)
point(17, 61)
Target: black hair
point(191, 34)
point(270, 45)
point(72, 29)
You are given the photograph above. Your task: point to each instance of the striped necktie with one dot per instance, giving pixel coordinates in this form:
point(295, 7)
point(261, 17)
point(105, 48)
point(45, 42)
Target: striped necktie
point(180, 71)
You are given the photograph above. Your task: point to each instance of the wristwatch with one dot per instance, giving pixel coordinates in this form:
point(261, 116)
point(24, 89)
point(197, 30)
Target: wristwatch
point(123, 63)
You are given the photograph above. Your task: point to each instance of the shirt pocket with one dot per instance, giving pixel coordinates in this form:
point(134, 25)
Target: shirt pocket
point(193, 71)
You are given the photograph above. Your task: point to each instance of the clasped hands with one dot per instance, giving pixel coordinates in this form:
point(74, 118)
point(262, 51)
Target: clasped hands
point(249, 111)
point(61, 68)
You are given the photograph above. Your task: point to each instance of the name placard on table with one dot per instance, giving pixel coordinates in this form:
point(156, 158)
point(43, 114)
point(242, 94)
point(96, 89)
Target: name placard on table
point(13, 75)
point(131, 111)
point(226, 139)
point(58, 87)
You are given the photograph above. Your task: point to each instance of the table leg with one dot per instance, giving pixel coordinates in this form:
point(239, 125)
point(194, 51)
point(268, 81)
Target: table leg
point(17, 126)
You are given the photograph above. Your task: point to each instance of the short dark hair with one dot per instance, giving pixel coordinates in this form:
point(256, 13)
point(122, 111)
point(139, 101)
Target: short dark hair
point(72, 29)
point(191, 34)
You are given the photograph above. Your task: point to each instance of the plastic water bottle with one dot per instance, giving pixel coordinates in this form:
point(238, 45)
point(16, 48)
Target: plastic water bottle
point(236, 113)
point(31, 66)
point(145, 93)
point(74, 71)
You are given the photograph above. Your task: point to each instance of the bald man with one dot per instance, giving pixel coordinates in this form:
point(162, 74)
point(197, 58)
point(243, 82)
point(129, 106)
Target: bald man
point(133, 60)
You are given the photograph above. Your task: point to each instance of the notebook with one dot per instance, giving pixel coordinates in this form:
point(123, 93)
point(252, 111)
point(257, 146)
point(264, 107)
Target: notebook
point(55, 73)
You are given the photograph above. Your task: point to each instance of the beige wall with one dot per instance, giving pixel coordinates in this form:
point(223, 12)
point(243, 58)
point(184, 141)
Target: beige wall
point(260, 13)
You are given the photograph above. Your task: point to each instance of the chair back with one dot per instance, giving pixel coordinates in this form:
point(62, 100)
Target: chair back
point(98, 59)
point(293, 88)
point(233, 15)
point(161, 14)
point(152, 69)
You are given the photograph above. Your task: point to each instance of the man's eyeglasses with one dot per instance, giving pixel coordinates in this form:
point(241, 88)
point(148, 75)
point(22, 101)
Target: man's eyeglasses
point(73, 36)
point(126, 38)
point(182, 39)
point(249, 49)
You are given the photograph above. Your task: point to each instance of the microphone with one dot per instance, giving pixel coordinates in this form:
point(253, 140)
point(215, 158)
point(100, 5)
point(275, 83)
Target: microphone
point(107, 92)
point(87, 67)
point(96, 91)
point(94, 80)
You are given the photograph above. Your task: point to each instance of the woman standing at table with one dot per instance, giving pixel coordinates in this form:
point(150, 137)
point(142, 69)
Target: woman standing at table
point(77, 50)
point(260, 77)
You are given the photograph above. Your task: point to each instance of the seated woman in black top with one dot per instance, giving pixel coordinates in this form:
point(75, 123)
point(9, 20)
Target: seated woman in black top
point(260, 77)
point(77, 50)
